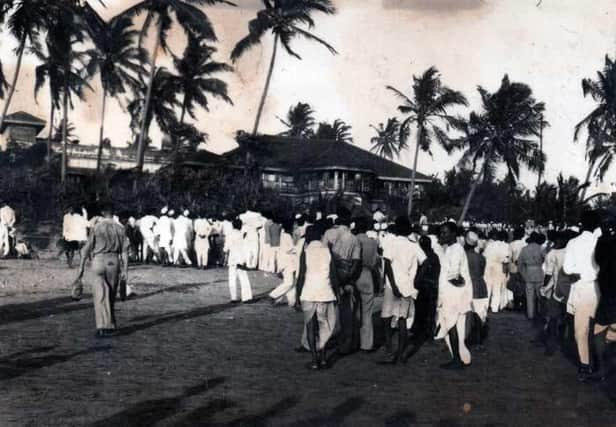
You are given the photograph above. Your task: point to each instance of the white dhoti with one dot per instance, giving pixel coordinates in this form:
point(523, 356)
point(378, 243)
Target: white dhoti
point(150, 245)
point(480, 306)
point(252, 252)
point(397, 307)
point(325, 313)
point(582, 304)
point(236, 274)
point(454, 303)
point(286, 288)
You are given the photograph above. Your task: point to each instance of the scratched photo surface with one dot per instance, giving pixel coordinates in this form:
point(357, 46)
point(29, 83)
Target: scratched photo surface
point(184, 353)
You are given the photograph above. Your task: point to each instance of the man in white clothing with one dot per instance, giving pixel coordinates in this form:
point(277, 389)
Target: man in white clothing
point(203, 230)
point(182, 238)
point(74, 232)
point(455, 297)
point(7, 218)
point(236, 258)
point(164, 232)
point(146, 226)
point(584, 294)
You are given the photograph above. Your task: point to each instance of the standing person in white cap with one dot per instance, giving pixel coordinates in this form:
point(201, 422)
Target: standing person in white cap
point(164, 231)
point(203, 231)
point(150, 248)
point(236, 259)
point(182, 238)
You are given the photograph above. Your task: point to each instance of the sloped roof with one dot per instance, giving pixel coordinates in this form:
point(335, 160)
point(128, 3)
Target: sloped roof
point(23, 118)
point(285, 153)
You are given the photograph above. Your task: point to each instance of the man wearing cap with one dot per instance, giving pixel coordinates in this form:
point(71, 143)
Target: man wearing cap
point(182, 238)
point(149, 246)
point(164, 231)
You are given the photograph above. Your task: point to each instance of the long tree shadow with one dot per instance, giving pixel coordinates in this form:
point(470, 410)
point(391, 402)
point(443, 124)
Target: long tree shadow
point(13, 368)
point(336, 416)
point(149, 412)
point(62, 305)
point(31, 350)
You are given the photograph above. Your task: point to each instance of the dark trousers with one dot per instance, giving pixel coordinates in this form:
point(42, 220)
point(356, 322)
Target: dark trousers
point(350, 321)
point(425, 313)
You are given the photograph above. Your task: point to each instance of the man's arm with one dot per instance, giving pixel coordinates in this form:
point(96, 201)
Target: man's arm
point(389, 274)
point(85, 254)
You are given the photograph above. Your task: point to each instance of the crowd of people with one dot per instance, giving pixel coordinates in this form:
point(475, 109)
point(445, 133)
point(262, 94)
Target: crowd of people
point(437, 281)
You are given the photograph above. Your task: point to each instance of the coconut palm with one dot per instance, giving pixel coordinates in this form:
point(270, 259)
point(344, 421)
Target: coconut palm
point(164, 91)
point(299, 121)
point(160, 14)
point(196, 82)
point(3, 83)
point(116, 58)
point(505, 133)
point(26, 18)
point(284, 19)
point(600, 123)
point(387, 143)
point(338, 131)
point(427, 109)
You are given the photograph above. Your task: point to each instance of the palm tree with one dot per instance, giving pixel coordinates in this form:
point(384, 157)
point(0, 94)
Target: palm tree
point(600, 123)
point(338, 131)
point(427, 109)
point(387, 143)
point(164, 91)
point(504, 132)
point(299, 121)
point(189, 17)
point(65, 30)
point(195, 69)
point(116, 58)
point(284, 19)
point(3, 83)
point(27, 19)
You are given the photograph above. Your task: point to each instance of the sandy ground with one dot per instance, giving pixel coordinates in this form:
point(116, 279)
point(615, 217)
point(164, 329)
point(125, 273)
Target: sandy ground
point(185, 356)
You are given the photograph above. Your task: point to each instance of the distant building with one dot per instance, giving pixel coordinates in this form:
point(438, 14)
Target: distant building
point(306, 170)
point(20, 129)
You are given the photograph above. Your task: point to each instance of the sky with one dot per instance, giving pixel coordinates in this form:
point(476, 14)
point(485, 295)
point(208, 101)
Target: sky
point(550, 45)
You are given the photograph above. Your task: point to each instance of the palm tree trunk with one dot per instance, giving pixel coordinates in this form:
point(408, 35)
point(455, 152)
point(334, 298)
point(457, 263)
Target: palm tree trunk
point(591, 165)
point(413, 177)
point(474, 185)
point(266, 88)
point(142, 132)
point(176, 144)
point(20, 55)
point(51, 117)
point(64, 134)
point(100, 136)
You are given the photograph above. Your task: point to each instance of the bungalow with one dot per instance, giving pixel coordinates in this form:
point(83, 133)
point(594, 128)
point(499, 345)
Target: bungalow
point(306, 170)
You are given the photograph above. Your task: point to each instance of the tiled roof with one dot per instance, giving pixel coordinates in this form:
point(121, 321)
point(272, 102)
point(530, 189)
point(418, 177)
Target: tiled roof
point(21, 117)
point(277, 152)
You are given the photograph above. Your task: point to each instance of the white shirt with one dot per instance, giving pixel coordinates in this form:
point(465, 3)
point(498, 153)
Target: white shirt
point(202, 227)
point(4, 239)
point(164, 229)
point(75, 228)
point(405, 257)
point(516, 247)
point(553, 263)
point(580, 256)
point(317, 282)
point(234, 245)
point(182, 232)
point(497, 251)
point(147, 224)
point(454, 264)
point(7, 216)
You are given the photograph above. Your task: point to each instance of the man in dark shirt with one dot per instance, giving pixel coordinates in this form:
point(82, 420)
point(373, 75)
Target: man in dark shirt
point(426, 283)
point(605, 317)
point(477, 268)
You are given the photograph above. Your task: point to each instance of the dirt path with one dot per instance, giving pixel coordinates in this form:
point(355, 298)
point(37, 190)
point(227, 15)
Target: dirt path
point(185, 356)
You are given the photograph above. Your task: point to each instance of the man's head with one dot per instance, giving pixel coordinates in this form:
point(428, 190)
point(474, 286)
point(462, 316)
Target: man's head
point(448, 233)
point(590, 220)
point(313, 233)
point(518, 233)
point(471, 240)
point(344, 216)
point(425, 244)
point(106, 208)
point(403, 226)
point(237, 224)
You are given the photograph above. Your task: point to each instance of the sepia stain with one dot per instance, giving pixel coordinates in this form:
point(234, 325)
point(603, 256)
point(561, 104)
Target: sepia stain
point(435, 5)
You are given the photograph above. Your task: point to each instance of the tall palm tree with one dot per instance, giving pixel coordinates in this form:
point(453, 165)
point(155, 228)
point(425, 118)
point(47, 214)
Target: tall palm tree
point(505, 132)
point(195, 70)
point(338, 131)
point(600, 123)
point(387, 142)
point(164, 91)
point(299, 121)
point(427, 108)
point(3, 83)
point(117, 59)
point(65, 32)
point(284, 19)
point(27, 18)
point(160, 13)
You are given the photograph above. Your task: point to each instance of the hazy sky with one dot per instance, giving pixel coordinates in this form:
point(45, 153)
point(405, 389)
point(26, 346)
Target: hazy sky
point(550, 45)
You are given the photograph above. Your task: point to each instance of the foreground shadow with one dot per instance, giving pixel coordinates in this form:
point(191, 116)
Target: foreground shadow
point(149, 412)
point(15, 367)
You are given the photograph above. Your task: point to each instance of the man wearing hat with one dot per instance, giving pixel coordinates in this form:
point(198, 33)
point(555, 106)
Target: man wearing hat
point(164, 231)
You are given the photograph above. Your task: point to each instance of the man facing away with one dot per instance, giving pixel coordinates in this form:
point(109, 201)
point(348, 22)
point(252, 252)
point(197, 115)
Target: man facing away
point(150, 248)
point(365, 283)
point(164, 231)
point(235, 247)
point(530, 266)
point(584, 294)
point(203, 230)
